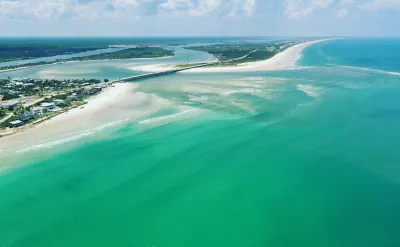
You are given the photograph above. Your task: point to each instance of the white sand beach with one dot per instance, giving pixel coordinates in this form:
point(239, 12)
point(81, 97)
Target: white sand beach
point(113, 106)
point(122, 103)
point(286, 59)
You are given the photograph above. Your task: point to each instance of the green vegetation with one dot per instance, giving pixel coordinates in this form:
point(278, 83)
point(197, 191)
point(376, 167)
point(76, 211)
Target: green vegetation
point(12, 89)
point(22, 51)
point(29, 94)
point(139, 52)
point(230, 54)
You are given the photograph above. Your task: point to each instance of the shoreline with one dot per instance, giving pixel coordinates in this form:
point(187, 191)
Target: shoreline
point(91, 106)
point(281, 60)
point(121, 103)
point(114, 106)
point(78, 61)
point(93, 101)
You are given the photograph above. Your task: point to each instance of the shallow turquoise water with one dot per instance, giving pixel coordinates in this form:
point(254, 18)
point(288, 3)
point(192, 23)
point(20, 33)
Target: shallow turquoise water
point(305, 157)
point(110, 69)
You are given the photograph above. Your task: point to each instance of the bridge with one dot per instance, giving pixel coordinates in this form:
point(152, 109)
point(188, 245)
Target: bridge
point(156, 74)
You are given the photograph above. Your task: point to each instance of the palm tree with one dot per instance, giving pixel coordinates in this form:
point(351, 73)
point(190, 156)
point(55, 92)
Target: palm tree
point(19, 110)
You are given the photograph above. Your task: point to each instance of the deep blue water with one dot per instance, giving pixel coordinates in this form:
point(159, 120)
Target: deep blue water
point(374, 53)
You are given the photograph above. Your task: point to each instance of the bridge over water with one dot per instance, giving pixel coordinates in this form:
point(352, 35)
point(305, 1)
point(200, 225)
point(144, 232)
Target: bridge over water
point(156, 74)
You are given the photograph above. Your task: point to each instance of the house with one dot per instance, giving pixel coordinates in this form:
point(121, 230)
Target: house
point(16, 123)
point(9, 104)
point(93, 91)
point(13, 82)
point(28, 85)
point(48, 106)
point(79, 91)
point(59, 102)
point(26, 116)
point(38, 110)
point(73, 97)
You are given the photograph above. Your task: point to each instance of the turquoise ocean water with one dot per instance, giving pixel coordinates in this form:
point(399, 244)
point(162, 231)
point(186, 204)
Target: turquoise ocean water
point(302, 157)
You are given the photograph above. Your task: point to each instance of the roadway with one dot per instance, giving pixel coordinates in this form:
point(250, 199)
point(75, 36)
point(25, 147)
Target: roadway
point(156, 74)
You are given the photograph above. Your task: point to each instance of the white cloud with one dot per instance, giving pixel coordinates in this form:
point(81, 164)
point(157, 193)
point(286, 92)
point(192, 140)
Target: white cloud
point(249, 7)
point(240, 8)
point(228, 8)
point(297, 9)
point(173, 5)
point(130, 3)
point(347, 2)
point(377, 5)
point(123, 9)
point(45, 9)
point(205, 7)
point(342, 14)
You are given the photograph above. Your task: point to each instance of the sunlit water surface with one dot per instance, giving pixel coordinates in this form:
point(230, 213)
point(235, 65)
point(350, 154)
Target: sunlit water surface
point(304, 157)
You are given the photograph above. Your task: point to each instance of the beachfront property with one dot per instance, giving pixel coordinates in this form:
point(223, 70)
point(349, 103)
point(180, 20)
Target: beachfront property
point(37, 110)
point(48, 106)
point(93, 91)
point(73, 97)
point(37, 97)
point(26, 116)
point(16, 88)
point(16, 123)
point(10, 104)
point(59, 102)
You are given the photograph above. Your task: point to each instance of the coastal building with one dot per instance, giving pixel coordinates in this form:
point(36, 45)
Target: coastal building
point(48, 106)
point(26, 116)
point(16, 123)
point(73, 97)
point(9, 104)
point(93, 91)
point(59, 102)
point(28, 85)
point(37, 110)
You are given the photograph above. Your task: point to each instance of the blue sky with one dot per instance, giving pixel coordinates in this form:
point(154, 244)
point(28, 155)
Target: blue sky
point(199, 17)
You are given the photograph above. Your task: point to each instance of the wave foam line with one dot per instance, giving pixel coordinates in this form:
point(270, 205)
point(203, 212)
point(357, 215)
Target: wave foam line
point(164, 118)
point(55, 143)
point(81, 135)
point(370, 69)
